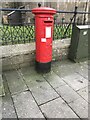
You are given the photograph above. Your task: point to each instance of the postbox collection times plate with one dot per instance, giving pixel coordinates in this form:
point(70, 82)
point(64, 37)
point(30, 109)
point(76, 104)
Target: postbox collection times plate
point(48, 32)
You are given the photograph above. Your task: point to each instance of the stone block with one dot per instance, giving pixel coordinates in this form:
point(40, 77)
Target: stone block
point(57, 109)
point(80, 106)
point(15, 82)
point(26, 106)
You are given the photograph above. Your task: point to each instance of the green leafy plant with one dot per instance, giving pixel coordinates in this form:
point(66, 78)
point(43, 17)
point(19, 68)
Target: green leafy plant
point(26, 34)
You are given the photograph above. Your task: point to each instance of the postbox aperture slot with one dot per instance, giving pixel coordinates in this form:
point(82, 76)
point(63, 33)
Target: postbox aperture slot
point(48, 21)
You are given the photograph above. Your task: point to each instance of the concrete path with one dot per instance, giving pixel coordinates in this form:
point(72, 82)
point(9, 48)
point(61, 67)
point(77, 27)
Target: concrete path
point(62, 93)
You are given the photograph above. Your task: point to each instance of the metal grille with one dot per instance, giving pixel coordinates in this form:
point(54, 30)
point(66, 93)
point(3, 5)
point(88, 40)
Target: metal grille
point(17, 34)
point(26, 34)
point(59, 30)
point(18, 31)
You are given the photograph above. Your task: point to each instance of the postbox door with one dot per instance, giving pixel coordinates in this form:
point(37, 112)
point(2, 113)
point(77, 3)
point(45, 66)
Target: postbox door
point(46, 42)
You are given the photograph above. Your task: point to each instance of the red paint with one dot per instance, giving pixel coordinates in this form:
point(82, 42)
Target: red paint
point(43, 18)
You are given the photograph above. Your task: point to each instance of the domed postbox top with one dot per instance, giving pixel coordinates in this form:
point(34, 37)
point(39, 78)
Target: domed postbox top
point(43, 10)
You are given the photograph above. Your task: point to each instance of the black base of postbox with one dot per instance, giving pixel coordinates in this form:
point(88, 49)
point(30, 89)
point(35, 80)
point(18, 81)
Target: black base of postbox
point(43, 67)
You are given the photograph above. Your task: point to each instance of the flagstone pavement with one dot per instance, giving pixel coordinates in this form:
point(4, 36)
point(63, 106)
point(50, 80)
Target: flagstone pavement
point(61, 93)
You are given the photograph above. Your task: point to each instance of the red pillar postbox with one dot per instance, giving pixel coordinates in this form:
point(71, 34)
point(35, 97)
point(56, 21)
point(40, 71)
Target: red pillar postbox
point(44, 22)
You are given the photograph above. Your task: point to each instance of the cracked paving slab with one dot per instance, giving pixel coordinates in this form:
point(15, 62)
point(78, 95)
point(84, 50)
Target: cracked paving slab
point(15, 82)
point(39, 87)
point(26, 106)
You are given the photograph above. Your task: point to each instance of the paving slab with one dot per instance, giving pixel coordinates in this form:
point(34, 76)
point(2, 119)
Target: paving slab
point(57, 109)
point(76, 81)
point(67, 93)
point(0, 108)
point(89, 77)
point(83, 71)
point(66, 69)
point(39, 87)
point(62, 63)
point(26, 106)
point(2, 93)
point(54, 79)
point(15, 82)
point(88, 111)
point(8, 110)
point(65, 78)
point(84, 93)
point(89, 93)
point(89, 64)
point(80, 106)
point(84, 64)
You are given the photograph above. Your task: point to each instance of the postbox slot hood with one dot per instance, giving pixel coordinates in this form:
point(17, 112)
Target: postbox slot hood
point(43, 10)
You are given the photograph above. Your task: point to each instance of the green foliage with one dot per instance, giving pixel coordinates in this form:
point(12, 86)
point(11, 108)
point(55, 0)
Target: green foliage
point(26, 34)
point(59, 31)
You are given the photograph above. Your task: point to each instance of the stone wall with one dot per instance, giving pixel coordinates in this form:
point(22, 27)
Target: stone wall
point(21, 55)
